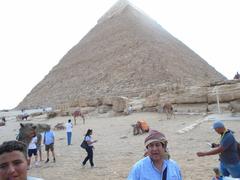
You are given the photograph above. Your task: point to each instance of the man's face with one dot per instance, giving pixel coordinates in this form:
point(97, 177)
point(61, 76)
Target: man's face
point(156, 150)
point(13, 166)
point(220, 130)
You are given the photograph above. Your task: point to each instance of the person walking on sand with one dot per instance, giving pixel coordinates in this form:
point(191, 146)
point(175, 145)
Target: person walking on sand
point(89, 148)
point(69, 131)
point(227, 150)
point(48, 140)
point(156, 165)
point(13, 161)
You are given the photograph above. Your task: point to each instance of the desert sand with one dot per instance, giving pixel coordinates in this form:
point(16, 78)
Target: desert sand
point(117, 149)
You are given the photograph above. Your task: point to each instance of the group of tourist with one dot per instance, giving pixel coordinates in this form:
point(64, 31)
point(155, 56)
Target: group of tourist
point(34, 147)
point(155, 165)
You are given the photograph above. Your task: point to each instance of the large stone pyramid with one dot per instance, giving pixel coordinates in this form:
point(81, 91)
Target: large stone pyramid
point(125, 53)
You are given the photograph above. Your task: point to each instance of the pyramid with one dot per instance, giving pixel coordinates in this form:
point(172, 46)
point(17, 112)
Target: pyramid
point(126, 53)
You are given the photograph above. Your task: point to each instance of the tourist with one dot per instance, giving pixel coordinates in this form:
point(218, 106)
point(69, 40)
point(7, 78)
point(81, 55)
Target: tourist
point(32, 149)
point(156, 164)
point(130, 109)
point(48, 140)
point(237, 76)
point(227, 150)
point(89, 148)
point(13, 161)
point(69, 131)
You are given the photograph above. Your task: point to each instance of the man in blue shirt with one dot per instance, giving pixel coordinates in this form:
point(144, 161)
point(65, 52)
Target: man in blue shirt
point(155, 165)
point(227, 150)
point(48, 140)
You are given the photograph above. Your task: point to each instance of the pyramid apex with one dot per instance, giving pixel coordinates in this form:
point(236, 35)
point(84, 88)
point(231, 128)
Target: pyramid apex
point(117, 8)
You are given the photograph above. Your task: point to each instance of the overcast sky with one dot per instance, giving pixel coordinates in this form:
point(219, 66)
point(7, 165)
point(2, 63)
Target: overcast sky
point(36, 34)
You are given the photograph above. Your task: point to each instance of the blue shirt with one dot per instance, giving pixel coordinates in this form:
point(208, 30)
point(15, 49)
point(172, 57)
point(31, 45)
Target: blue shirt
point(144, 169)
point(48, 137)
point(230, 154)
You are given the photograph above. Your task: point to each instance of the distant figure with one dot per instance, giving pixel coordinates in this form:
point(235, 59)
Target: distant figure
point(22, 116)
point(237, 76)
point(69, 127)
point(130, 109)
point(4, 119)
point(77, 113)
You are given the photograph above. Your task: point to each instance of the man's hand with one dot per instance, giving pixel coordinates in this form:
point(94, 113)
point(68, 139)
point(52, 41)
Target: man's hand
point(200, 154)
point(214, 145)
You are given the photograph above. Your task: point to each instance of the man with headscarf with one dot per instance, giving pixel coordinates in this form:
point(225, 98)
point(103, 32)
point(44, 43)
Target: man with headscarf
point(227, 150)
point(155, 165)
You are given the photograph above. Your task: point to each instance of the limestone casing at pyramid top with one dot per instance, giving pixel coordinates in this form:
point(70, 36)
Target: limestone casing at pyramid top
point(116, 9)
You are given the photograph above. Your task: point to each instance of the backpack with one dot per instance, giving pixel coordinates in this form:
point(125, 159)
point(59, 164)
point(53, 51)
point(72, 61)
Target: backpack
point(238, 144)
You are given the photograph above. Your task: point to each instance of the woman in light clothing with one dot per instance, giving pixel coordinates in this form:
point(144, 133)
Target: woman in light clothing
point(89, 148)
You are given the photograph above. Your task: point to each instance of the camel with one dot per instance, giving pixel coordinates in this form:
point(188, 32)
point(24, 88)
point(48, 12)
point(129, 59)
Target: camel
point(59, 126)
point(2, 123)
point(140, 127)
point(3, 119)
point(234, 106)
point(22, 117)
point(168, 109)
point(26, 131)
point(77, 113)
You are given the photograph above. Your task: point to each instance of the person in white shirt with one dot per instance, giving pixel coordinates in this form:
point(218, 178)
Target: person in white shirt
point(69, 131)
point(32, 149)
point(89, 148)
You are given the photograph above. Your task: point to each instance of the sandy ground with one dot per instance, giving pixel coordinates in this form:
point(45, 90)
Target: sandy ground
point(117, 149)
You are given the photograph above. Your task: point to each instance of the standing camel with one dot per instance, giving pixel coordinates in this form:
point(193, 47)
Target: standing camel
point(168, 109)
point(77, 113)
point(26, 131)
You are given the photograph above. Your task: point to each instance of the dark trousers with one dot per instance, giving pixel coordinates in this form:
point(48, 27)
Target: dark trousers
point(89, 157)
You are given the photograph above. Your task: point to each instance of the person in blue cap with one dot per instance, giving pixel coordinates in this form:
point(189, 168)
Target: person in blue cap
point(227, 150)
